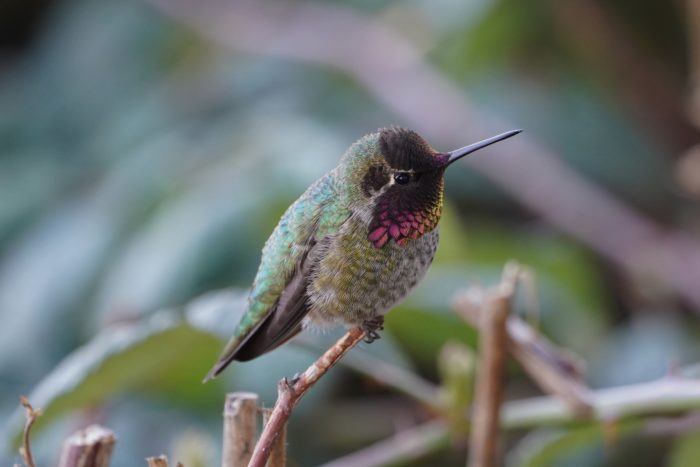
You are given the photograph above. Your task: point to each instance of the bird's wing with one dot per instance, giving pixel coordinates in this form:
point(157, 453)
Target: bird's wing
point(284, 320)
point(278, 301)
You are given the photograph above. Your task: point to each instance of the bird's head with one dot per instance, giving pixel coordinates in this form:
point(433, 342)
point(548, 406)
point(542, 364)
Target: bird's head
point(399, 178)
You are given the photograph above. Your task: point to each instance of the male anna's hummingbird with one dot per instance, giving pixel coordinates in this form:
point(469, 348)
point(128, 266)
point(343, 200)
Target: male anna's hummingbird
point(352, 246)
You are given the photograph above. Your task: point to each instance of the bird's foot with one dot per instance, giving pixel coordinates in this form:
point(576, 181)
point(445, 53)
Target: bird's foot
point(371, 326)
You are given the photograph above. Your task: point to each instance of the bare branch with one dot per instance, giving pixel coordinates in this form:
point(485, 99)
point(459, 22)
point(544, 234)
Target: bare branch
point(402, 380)
point(674, 426)
point(553, 369)
point(240, 427)
point(557, 371)
point(289, 393)
point(409, 444)
point(90, 447)
point(32, 415)
point(278, 455)
point(669, 395)
point(483, 443)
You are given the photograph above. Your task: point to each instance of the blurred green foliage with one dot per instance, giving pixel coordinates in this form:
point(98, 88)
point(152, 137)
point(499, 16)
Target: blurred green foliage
point(142, 166)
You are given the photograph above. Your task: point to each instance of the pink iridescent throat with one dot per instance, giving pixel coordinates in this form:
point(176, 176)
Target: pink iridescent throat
point(403, 226)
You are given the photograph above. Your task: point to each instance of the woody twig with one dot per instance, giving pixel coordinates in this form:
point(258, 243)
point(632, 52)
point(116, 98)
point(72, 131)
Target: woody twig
point(290, 392)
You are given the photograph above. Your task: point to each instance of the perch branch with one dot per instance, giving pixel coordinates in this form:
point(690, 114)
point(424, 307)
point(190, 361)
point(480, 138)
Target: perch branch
point(240, 426)
point(400, 379)
point(289, 393)
point(278, 454)
point(32, 415)
point(90, 447)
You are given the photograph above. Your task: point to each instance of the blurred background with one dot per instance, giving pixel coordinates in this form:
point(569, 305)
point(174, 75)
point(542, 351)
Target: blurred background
point(148, 148)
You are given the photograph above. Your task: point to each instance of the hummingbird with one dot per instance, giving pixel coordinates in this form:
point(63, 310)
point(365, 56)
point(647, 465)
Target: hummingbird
point(352, 246)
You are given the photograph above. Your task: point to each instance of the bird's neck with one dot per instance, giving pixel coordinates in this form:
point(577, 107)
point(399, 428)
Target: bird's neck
point(403, 219)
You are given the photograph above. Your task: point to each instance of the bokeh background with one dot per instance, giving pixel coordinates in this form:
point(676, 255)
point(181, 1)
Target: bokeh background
point(148, 147)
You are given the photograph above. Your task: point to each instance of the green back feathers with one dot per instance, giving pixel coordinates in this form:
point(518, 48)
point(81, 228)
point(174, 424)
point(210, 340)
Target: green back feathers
point(315, 215)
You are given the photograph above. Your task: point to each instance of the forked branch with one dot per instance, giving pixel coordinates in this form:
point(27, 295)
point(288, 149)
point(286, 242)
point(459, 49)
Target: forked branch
point(290, 392)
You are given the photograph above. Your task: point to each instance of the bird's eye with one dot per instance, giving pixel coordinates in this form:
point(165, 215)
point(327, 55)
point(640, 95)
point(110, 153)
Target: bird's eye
point(402, 178)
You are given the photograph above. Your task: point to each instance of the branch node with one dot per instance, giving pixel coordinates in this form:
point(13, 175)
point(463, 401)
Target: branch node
point(289, 394)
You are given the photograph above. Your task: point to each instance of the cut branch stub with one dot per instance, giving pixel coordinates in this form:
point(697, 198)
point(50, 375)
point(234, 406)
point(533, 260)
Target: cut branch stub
point(160, 461)
point(90, 447)
point(240, 426)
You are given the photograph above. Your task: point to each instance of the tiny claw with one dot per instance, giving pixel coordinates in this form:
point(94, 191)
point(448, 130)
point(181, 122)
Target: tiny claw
point(295, 379)
point(371, 336)
point(371, 326)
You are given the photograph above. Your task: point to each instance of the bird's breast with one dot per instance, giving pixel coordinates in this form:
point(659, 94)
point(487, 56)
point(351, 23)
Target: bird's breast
point(355, 281)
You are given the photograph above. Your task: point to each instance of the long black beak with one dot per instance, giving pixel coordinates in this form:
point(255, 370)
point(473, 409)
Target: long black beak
point(461, 152)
